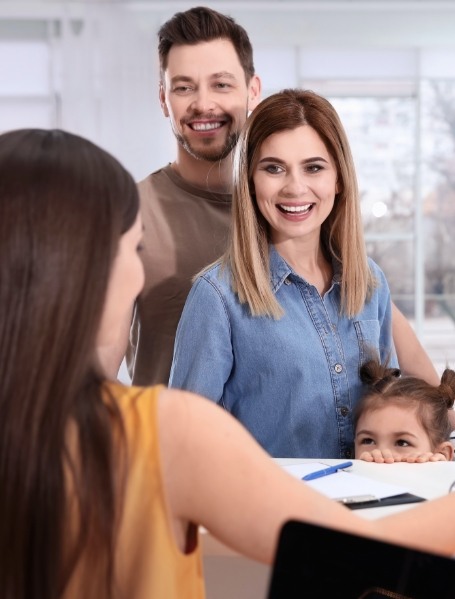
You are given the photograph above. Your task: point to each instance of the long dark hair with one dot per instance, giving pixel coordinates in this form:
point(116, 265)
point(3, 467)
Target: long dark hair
point(64, 203)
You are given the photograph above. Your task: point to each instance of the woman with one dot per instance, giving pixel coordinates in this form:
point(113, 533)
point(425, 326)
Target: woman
point(277, 330)
point(100, 483)
point(403, 419)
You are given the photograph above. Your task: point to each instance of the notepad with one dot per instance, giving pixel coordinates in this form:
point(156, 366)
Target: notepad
point(353, 490)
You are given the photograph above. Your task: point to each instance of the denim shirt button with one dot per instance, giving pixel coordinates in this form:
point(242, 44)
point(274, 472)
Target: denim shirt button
point(338, 368)
point(344, 411)
point(287, 281)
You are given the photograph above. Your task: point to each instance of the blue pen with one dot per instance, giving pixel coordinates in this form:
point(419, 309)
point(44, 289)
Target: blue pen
point(327, 471)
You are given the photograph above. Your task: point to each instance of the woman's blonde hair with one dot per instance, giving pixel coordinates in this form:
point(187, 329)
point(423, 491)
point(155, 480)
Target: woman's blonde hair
point(342, 240)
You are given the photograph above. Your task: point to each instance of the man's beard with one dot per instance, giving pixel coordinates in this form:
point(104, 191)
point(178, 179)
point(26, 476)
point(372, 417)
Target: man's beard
point(210, 154)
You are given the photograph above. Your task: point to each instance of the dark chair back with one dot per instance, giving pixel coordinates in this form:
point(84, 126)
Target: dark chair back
point(314, 562)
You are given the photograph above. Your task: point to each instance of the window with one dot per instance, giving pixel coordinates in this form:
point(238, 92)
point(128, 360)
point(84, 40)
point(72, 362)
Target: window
point(399, 114)
point(26, 98)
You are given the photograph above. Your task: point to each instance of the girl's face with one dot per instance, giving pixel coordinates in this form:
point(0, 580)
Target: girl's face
point(394, 428)
point(295, 181)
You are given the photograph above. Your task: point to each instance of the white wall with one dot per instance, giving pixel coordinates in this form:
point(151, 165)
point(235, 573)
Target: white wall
point(102, 64)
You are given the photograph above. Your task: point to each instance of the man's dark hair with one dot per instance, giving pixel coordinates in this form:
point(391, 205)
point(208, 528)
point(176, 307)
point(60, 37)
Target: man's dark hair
point(202, 24)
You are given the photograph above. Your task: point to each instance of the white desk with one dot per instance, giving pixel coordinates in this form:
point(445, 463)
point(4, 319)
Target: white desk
point(229, 575)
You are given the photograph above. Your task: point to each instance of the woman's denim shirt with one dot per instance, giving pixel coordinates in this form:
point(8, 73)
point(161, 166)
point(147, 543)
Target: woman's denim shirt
point(292, 382)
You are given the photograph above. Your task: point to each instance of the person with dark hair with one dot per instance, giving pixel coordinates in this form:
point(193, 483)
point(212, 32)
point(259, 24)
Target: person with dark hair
point(207, 87)
point(403, 419)
point(103, 485)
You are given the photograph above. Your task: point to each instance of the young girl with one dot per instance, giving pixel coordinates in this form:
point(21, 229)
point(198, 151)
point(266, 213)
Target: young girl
point(403, 419)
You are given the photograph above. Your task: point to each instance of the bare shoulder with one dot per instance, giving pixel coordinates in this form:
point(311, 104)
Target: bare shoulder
point(196, 431)
point(184, 413)
point(176, 403)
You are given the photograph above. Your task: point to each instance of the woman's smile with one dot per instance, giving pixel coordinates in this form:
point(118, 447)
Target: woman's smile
point(295, 211)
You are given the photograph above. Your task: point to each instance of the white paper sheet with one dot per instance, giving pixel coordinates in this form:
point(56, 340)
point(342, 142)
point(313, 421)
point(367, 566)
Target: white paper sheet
point(344, 484)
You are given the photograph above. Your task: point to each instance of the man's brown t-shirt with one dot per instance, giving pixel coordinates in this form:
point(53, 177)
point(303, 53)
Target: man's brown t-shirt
point(185, 229)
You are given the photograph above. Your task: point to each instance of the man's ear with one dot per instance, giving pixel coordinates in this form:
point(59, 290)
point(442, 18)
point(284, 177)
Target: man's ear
point(254, 92)
point(162, 97)
point(446, 448)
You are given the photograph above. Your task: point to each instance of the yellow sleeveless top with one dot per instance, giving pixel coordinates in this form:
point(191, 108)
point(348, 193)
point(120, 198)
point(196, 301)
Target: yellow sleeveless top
point(149, 564)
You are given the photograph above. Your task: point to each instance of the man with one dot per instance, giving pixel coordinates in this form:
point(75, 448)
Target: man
point(207, 88)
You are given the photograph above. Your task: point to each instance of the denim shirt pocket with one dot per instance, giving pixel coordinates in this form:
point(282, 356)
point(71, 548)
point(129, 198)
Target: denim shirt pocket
point(368, 338)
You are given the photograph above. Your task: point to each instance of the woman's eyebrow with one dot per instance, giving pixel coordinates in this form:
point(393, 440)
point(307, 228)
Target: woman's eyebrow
point(281, 161)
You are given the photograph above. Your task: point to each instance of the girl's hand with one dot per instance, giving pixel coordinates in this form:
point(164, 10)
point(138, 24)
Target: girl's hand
point(379, 456)
point(425, 457)
point(388, 457)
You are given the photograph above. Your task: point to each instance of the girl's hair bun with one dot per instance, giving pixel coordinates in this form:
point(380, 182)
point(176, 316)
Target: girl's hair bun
point(447, 387)
point(377, 376)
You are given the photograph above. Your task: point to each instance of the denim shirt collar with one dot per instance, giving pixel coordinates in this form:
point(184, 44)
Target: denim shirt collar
point(280, 271)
